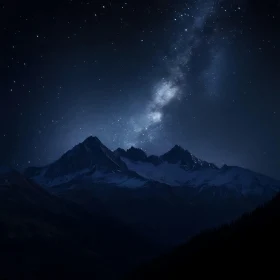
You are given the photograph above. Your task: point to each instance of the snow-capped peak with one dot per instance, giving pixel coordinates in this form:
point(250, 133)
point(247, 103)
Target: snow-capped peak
point(134, 154)
point(87, 155)
point(177, 167)
point(177, 155)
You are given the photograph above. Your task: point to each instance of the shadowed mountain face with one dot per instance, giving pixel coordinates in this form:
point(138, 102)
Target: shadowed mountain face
point(248, 246)
point(178, 155)
point(45, 237)
point(168, 198)
point(86, 155)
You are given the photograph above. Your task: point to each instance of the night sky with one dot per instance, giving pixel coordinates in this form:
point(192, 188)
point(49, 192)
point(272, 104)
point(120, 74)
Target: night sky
point(201, 74)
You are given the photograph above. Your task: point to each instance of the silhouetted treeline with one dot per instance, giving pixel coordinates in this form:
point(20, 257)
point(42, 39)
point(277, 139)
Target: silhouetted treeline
point(245, 248)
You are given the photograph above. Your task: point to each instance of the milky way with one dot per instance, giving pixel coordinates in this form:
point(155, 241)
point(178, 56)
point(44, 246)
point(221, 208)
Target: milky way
point(203, 74)
point(146, 125)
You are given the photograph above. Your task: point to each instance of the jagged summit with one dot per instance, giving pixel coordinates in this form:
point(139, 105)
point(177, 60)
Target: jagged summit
point(136, 154)
point(119, 152)
point(88, 155)
point(177, 148)
point(92, 160)
point(178, 155)
point(91, 140)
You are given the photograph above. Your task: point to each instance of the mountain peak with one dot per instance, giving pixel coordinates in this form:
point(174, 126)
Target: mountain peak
point(177, 148)
point(92, 140)
point(177, 155)
point(89, 154)
point(119, 152)
point(136, 154)
point(132, 148)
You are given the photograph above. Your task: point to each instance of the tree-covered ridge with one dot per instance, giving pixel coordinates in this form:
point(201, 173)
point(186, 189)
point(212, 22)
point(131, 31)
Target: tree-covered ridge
point(250, 244)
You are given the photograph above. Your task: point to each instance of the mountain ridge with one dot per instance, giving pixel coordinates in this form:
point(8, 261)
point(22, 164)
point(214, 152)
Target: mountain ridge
point(154, 194)
point(176, 167)
point(166, 199)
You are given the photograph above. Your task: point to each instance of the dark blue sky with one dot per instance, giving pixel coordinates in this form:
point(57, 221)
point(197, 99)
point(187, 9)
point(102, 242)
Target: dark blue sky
point(201, 74)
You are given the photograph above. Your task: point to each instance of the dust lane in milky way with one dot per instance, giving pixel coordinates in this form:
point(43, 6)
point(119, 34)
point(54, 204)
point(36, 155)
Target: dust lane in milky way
point(171, 87)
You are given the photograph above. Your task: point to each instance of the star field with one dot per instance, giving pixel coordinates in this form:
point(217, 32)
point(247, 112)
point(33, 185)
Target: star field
point(150, 74)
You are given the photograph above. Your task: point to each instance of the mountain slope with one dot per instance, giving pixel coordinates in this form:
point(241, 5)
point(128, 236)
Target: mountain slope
point(46, 237)
point(249, 245)
point(82, 158)
point(178, 167)
point(167, 198)
point(167, 215)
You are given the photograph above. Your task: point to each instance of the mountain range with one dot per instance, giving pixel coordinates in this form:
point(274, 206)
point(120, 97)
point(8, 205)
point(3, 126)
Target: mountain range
point(167, 198)
point(98, 213)
point(133, 168)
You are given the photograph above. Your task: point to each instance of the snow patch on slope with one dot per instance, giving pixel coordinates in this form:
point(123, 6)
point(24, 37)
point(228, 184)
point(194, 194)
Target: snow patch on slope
point(97, 176)
point(47, 182)
point(118, 179)
point(235, 178)
point(171, 174)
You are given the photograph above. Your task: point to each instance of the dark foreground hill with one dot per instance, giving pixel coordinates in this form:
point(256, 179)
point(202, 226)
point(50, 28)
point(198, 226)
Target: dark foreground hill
point(246, 248)
point(45, 237)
